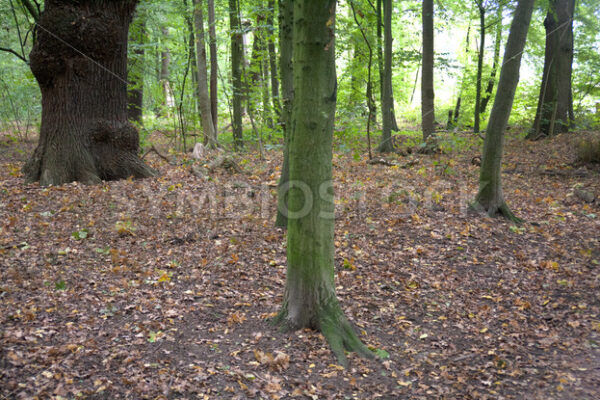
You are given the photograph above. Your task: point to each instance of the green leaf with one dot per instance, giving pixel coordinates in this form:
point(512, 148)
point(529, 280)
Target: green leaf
point(105, 251)
point(381, 353)
point(80, 235)
point(60, 285)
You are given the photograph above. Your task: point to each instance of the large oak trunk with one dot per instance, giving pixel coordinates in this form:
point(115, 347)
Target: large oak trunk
point(80, 62)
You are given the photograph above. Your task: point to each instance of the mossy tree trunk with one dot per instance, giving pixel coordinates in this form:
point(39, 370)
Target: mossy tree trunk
point(490, 198)
point(286, 23)
point(236, 72)
point(386, 144)
point(555, 100)
point(310, 300)
point(427, 93)
point(80, 62)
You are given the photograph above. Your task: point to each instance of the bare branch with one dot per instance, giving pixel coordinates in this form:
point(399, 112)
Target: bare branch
point(20, 57)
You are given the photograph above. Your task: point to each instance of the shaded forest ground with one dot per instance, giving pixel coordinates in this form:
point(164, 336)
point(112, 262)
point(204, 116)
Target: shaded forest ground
point(162, 288)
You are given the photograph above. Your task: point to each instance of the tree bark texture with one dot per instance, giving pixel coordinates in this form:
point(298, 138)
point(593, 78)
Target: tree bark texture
point(386, 96)
point(236, 72)
point(80, 63)
point(310, 300)
point(490, 198)
point(210, 135)
point(286, 23)
point(555, 100)
point(427, 93)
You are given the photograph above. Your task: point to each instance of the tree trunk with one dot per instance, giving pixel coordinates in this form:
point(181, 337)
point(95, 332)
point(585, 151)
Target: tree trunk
point(286, 23)
point(492, 80)
point(214, 65)
point(427, 93)
point(386, 97)
point(462, 83)
point(84, 135)
point(135, 93)
point(479, 65)
point(555, 98)
point(236, 72)
point(310, 300)
point(210, 135)
point(490, 198)
point(273, 60)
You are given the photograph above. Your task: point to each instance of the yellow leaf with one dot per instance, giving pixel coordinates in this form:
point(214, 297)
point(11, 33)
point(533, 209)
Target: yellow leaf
point(404, 383)
point(164, 278)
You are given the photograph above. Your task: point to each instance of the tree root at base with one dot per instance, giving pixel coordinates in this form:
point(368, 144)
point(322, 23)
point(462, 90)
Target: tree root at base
point(336, 328)
point(495, 210)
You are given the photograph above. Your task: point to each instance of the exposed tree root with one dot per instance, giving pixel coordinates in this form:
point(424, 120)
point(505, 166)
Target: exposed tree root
point(495, 210)
point(333, 324)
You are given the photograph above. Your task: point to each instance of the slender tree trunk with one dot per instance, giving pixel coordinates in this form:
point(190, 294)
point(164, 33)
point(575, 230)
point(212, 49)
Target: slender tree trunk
point(210, 135)
point(189, 20)
point(490, 198)
point(462, 83)
point(427, 93)
point(214, 65)
point(236, 72)
point(165, 63)
point(555, 98)
point(286, 23)
point(85, 135)
point(492, 79)
point(479, 65)
point(255, 70)
point(310, 300)
point(135, 94)
point(386, 97)
point(273, 60)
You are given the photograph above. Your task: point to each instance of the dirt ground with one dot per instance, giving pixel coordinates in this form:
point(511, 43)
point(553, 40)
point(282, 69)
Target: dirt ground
point(163, 288)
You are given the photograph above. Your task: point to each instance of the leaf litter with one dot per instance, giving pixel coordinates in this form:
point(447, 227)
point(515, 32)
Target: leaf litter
point(163, 288)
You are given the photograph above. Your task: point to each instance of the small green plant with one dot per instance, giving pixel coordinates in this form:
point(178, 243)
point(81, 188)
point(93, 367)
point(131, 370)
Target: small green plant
point(80, 235)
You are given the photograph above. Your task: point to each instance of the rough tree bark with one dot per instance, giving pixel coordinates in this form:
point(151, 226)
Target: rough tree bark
point(80, 62)
point(555, 100)
point(214, 64)
point(210, 134)
point(490, 198)
point(236, 73)
point(310, 300)
point(386, 144)
point(427, 93)
point(286, 23)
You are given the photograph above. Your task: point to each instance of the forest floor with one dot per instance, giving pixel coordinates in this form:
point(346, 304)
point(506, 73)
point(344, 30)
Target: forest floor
point(163, 288)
